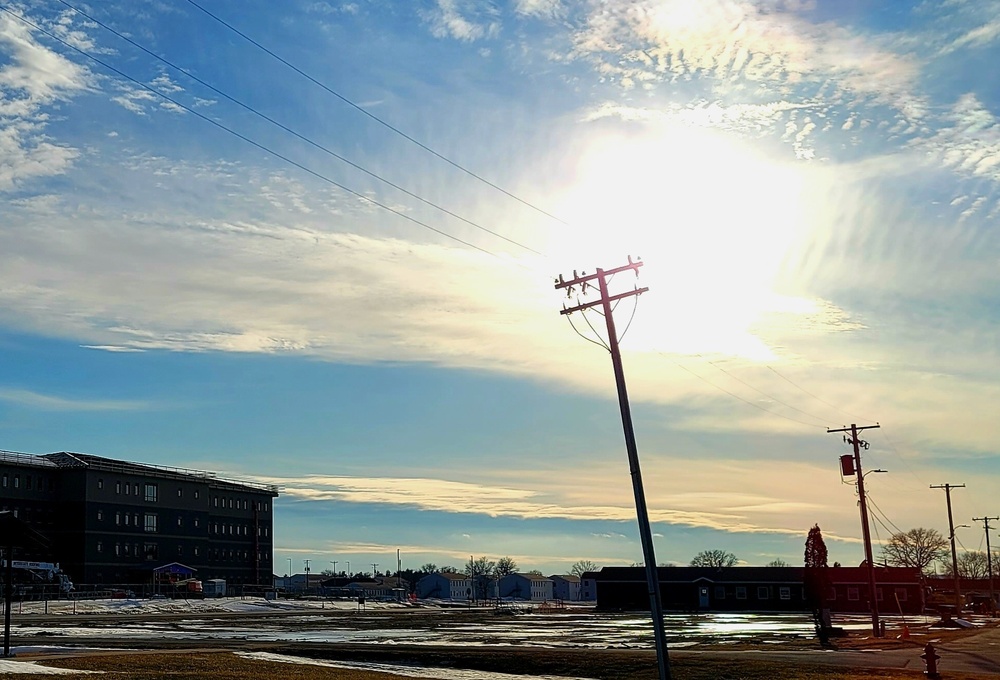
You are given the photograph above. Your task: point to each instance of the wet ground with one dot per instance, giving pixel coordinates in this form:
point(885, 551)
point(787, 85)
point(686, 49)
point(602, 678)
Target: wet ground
point(583, 628)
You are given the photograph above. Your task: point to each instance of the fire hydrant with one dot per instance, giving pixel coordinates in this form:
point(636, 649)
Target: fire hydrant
point(930, 658)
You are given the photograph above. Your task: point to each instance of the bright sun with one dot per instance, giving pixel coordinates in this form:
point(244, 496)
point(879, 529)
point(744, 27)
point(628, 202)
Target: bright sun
point(713, 221)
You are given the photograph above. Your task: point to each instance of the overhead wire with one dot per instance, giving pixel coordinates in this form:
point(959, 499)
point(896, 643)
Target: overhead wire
point(294, 133)
point(804, 391)
point(765, 394)
point(735, 396)
point(246, 139)
point(375, 118)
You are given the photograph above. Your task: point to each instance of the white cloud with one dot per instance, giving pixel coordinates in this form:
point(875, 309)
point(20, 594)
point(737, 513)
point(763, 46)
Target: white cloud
point(967, 141)
point(34, 78)
point(463, 20)
point(548, 9)
point(771, 45)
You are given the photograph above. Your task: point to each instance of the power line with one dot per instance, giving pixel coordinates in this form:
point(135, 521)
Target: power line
point(375, 118)
point(735, 396)
point(799, 387)
point(761, 392)
point(246, 139)
point(292, 132)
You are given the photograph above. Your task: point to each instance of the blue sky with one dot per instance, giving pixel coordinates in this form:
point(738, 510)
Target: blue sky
point(812, 188)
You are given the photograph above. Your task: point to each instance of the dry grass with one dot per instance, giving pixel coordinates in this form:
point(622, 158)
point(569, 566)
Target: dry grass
point(227, 666)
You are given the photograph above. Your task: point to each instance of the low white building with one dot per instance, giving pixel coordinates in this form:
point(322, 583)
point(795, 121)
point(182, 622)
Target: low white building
point(565, 587)
point(534, 587)
point(445, 586)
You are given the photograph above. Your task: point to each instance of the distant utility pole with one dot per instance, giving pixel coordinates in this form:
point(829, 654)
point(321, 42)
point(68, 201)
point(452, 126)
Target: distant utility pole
point(307, 572)
point(334, 563)
point(584, 280)
point(989, 555)
point(374, 569)
point(951, 530)
point(858, 444)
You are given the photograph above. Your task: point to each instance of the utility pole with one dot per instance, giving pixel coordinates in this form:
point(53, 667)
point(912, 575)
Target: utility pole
point(645, 534)
point(989, 555)
point(954, 555)
point(334, 563)
point(858, 444)
point(374, 569)
point(307, 573)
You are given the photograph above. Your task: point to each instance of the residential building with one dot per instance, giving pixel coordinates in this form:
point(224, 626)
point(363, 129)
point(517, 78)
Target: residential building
point(588, 586)
point(533, 587)
point(445, 586)
point(565, 587)
point(114, 522)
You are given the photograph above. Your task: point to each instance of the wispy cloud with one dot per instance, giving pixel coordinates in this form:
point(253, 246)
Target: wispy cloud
point(463, 20)
point(48, 402)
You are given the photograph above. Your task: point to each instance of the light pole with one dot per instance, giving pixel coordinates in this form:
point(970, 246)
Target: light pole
point(288, 580)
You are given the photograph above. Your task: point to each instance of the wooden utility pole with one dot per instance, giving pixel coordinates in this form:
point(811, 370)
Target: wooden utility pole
point(989, 555)
point(584, 280)
point(858, 444)
point(951, 531)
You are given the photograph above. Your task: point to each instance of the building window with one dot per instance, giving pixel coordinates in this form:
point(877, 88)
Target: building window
point(118, 548)
point(6, 479)
point(785, 593)
point(196, 522)
point(180, 492)
point(118, 487)
point(180, 550)
point(763, 592)
point(17, 481)
point(128, 519)
point(150, 522)
point(100, 515)
point(853, 595)
point(27, 482)
point(136, 490)
point(197, 494)
point(118, 518)
point(150, 550)
point(720, 592)
point(197, 551)
point(128, 549)
point(215, 501)
point(150, 493)
point(180, 521)
point(100, 483)
point(100, 547)
point(741, 592)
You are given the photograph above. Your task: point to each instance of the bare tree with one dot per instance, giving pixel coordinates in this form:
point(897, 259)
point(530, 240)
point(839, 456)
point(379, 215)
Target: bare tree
point(504, 567)
point(428, 568)
point(714, 558)
point(778, 562)
point(971, 564)
point(915, 548)
point(480, 566)
point(580, 567)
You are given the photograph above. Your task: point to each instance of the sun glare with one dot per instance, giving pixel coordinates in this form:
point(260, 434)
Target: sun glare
point(713, 220)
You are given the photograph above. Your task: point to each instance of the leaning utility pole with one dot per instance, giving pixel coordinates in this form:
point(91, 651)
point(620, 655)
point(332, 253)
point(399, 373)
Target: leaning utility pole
point(954, 555)
point(858, 444)
point(989, 555)
point(645, 534)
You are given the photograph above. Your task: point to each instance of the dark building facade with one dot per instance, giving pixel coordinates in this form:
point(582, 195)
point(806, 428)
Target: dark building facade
point(114, 522)
point(770, 589)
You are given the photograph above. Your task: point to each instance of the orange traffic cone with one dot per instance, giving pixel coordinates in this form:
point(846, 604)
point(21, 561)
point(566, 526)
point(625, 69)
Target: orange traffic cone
point(905, 635)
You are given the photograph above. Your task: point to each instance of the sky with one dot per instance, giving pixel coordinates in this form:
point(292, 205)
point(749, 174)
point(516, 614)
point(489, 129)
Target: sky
point(314, 244)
